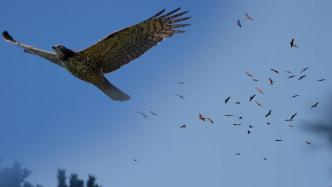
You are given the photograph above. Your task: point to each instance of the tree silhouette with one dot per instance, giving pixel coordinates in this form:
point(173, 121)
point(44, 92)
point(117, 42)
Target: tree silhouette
point(62, 178)
point(15, 176)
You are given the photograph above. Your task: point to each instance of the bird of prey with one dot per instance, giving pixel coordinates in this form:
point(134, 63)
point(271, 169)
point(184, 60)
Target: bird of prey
point(301, 77)
point(237, 102)
point(256, 80)
point(271, 81)
point(113, 51)
point(289, 72)
point(292, 43)
point(248, 132)
point(237, 124)
point(315, 105)
point(249, 17)
point(250, 126)
point(238, 23)
point(142, 114)
point(249, 74)
point(278, 140)
point(292, 117)
point(227, 99)
point(210, 120)
point(135, 160)
point(252, 97)
point(183, 126)
point(240, 117)
point(229, 115)
point(307, 142)
point(238, 154)
point(180, 96)
point(265, 158)
point(268, 123)
point(274, 70)
point(258, 104)
point(268, 114)
point(295, 96)
point(201, 117)
point(304, 69)
point(291, 76)
point(153, 113)
point(320, 80)
point(180, 82)
point(259, 90)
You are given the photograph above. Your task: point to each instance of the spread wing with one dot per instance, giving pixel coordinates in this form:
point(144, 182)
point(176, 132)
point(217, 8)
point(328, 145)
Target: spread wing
point(29, 49)
point(121, 47)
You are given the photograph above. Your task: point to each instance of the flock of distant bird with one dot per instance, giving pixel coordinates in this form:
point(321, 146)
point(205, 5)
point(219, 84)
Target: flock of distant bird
point(291, 75)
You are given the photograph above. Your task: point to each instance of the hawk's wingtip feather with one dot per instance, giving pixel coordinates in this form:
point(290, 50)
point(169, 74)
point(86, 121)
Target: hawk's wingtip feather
point(7, 36)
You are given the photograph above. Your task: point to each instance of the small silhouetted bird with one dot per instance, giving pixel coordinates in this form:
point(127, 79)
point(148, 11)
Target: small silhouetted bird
point(249, 17)
point(258, 104)
point(135, 160)
point(291, 76)
point(210, 120)
point(265, 158)
point(183, 126)
point(320, 80)
point(274, 70)
point(252, 97)
point(292, 43)
point(238, 23)
point(237, 124)
point(278, 140)
point(240, 117)
point(229, 115)
point(295, 96)
point(144, 115)
point(238, 154)
point(237, 103)
point(248, 132)
point(288, 72)
point(304, 69)
point(250, 126)
point(307, 142)
point(180, 96)
point(301, 77)
point(153, 113)
point(271, 81)
point(292, 117)
point(180, 82)
point(256, 80)
point(268, 123)
point(201, 117)
point(268, 114)
point(227, 99)
point(249, 74)
point(315, 105)
point(259, 90)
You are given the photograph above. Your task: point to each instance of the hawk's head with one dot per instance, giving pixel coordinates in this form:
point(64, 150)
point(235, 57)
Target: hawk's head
point(63, 52)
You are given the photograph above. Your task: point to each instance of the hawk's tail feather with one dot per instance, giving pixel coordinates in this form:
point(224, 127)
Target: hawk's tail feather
point(112, 91)
point(7, 36)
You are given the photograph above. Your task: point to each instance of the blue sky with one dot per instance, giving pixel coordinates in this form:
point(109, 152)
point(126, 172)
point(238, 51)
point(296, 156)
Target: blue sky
point(51, 120)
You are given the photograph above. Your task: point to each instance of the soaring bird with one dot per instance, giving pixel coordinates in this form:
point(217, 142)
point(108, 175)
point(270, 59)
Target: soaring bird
point(320, 80)
point(258, 104)
point(274, 70)
point(201, 117)
point(113, 51)
point(183, 126)
point(249, 74)
point(237, 102)
point(291, 76)
point(295, 96)
point(268, 114)
point(210, 120)
point(271, 81)
point(249, 17)
point(292, 43)
point(301, 77)
point(180, 96)
point(238, 23)
point(304, 69)
point(227, 99)
point(252, 97)
point(229, 115)
point(153, 113)
point(292, 117)
point(315, 105)
point(260, 90)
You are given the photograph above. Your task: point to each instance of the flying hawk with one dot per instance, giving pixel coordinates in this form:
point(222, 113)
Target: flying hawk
point(113, 51)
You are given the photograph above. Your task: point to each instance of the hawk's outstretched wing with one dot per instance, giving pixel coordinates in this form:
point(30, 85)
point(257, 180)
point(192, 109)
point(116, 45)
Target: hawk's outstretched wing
point(29, 49)
point(121, 47)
